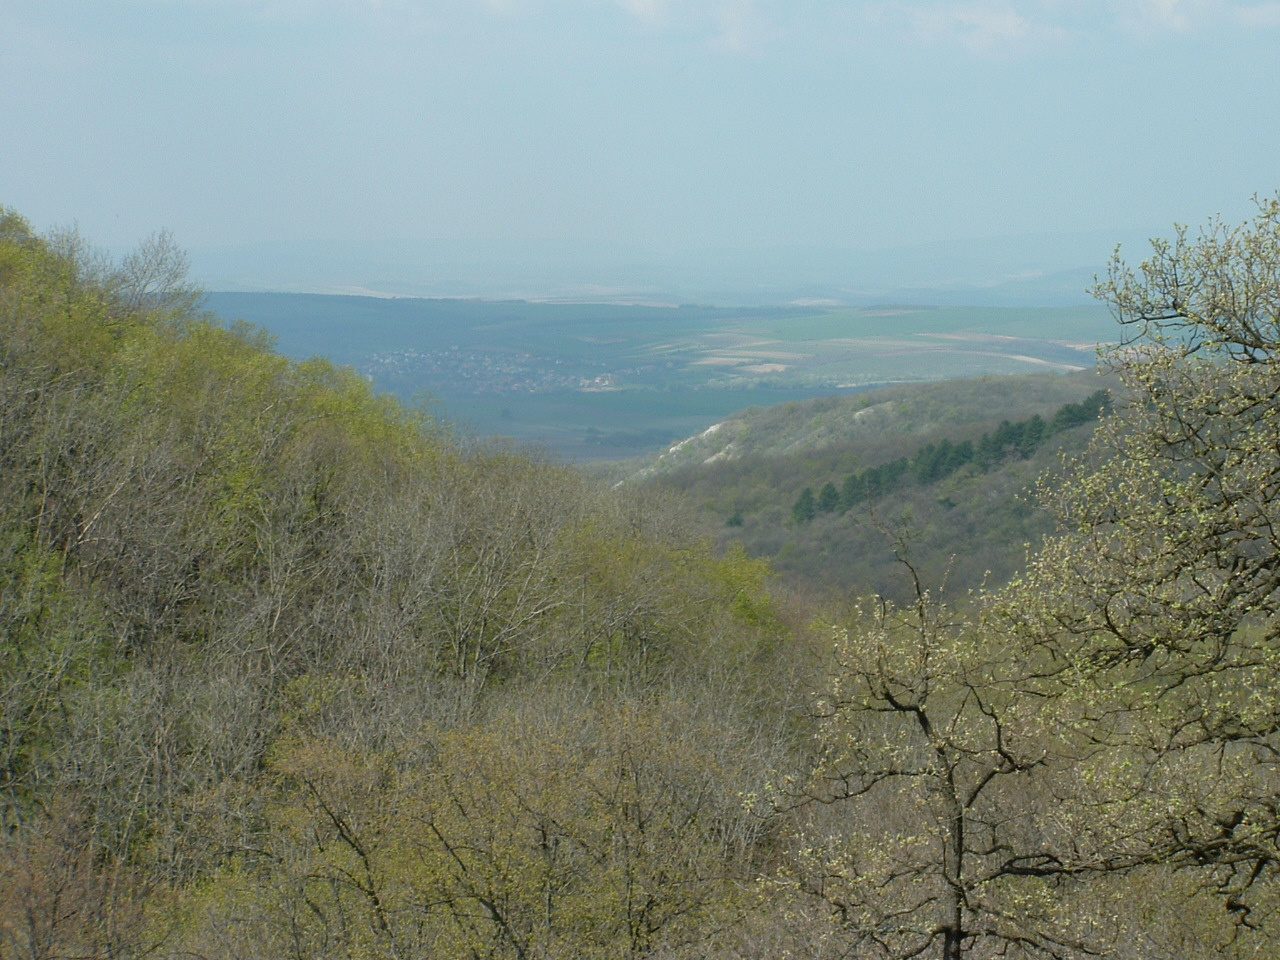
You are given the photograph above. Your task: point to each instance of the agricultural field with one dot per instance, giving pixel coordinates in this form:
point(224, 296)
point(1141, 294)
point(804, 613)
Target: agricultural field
point(599, 381)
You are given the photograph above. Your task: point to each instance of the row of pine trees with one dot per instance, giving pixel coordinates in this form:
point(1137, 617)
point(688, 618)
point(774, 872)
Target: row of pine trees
point(935, 462)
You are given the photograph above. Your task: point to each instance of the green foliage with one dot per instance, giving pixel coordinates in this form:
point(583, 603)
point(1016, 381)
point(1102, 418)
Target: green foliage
point(1106, 722)
point(934, 462)
point(805, 508)
point(934, 808)
point(828, 498)
point(262, 637)
point(1157, 600)
point(753, 464)
point(537, 832)
point(289, 671)
point(53, 650)
point(962, 494)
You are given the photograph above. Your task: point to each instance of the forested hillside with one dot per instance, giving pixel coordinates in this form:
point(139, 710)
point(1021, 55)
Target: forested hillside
point(828, 489)
point(288, 672)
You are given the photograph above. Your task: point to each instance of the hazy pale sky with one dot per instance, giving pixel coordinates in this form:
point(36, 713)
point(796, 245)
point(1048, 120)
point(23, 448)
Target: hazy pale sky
point(670, 124)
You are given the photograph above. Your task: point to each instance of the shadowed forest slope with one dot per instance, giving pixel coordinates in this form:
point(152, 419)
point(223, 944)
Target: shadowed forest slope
point(950, 467)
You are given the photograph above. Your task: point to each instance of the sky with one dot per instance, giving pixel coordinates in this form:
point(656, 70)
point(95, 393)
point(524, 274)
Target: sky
point(668, 125)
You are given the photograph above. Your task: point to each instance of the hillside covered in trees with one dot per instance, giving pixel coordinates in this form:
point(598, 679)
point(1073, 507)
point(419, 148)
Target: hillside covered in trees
point(289, 672)
point(827, 489)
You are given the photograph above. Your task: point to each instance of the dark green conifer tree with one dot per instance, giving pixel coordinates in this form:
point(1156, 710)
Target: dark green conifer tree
point(805, 508)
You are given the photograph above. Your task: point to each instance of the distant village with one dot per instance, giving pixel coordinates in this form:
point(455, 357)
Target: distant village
point(474, 372)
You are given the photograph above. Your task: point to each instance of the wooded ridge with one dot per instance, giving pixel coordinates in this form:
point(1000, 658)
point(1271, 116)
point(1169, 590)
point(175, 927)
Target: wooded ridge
point(952, 462)
point(288, 670)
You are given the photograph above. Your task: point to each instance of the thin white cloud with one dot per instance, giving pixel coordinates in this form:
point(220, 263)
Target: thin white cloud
point(733, 25)
point(1150, 19)
point(1012, 27)
point(739, 25)
point(1146, 18)
point(652, 12)
point(1259, 15)
point(981, 27)
point(502, 6)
